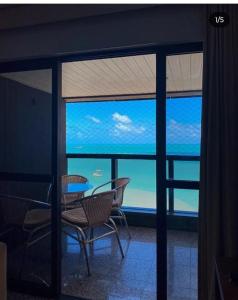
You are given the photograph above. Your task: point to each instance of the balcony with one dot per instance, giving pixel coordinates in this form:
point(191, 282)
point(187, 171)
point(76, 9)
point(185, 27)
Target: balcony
point(140, 196)
point(135, 276)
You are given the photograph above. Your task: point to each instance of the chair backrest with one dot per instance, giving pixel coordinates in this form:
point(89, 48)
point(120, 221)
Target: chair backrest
point(120, 185)
point(49, 191)
point(21, 205)
point(98, 207)
point(73, 179)
point(69, 198)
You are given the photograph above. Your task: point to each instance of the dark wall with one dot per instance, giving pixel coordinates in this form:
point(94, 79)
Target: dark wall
point(162, 24)
point(15, 16)
point(25, 136)
point(2, 129)
point(26, 128)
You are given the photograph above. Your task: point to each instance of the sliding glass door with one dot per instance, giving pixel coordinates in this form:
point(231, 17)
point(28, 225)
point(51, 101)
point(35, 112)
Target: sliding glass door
point(111, 133)
point(183, 135)
point(136, 115)
point(28, 175)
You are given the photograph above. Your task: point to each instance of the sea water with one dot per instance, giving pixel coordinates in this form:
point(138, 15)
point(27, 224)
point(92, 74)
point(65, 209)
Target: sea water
point(141, 191)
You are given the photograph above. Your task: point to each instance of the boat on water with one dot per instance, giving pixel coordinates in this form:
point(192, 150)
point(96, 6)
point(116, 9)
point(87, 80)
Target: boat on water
point(97, 173)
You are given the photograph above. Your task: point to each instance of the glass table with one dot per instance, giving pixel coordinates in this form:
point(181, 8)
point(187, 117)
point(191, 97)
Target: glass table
point(70, 188)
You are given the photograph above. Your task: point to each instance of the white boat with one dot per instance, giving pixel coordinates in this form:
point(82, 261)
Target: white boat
point(97, 173)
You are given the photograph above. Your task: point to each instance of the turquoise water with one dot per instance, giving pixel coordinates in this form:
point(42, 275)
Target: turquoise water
point(141, 191)
point(180, 149)
point(112, 148)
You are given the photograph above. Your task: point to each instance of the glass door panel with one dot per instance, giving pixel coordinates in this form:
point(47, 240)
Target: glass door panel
point(183, 133)
point(111, 114)
point(26, 175)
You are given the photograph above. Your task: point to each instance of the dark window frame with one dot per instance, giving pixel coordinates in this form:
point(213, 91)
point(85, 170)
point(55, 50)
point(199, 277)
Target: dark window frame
point(161, 221)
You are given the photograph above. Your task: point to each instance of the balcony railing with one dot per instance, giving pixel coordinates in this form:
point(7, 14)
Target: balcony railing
point(172, 183)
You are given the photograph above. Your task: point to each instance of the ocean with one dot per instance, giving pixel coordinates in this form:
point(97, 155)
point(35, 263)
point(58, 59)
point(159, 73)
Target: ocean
point(141, 191)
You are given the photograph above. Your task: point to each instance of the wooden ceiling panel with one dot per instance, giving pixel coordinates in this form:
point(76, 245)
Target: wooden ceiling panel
point(119, 77)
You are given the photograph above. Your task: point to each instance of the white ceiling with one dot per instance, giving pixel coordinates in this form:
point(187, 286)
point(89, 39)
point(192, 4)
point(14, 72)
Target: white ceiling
point(131, 76)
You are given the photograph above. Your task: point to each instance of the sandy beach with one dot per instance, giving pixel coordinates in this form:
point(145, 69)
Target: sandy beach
point(140, 198)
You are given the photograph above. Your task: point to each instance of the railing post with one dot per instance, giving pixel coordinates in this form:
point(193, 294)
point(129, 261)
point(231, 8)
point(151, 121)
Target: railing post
point(171, 190)
point(114, 170)
point(161, 212)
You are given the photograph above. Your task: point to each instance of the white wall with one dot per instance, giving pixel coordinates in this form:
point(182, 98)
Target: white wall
point(161, 24)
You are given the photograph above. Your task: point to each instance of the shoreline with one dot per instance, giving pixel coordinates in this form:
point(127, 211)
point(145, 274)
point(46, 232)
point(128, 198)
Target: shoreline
point(141, 198)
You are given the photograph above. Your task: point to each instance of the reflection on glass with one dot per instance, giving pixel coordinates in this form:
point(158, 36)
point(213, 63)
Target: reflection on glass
point(141, 191)
point(26, 99)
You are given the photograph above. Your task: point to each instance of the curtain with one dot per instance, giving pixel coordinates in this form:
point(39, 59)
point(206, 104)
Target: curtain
point(218, 226)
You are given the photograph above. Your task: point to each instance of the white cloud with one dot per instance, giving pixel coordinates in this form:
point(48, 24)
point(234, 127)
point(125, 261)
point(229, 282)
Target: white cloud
point(123, 127)
point(123, 124)
point(95, 120)
point(73, 131)
point(121, 118)
point(183, 131)
point(139, 129)
point(79, 134)
point(119, 127)
point(115, 132)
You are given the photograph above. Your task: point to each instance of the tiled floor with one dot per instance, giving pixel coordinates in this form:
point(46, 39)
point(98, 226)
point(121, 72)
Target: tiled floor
point(134, 277)
point(182, 265)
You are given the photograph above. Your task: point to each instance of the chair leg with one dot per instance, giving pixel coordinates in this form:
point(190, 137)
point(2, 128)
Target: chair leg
point(120, 219)
point(91, 233)
point(91, 236)
point(22, 262)
point(125, 221)
point(28, 244)
point(86, 257)
point(117, 236)
point(83, 243)
point(119, 243)
point(24, 255)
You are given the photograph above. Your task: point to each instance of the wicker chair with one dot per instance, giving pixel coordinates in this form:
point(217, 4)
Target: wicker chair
point(36, 223)
point(119, 185)
point(69, 200)
point(95, 211)
point(39, 214)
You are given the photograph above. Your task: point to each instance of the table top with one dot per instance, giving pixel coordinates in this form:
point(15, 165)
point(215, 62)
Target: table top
point(76, 187)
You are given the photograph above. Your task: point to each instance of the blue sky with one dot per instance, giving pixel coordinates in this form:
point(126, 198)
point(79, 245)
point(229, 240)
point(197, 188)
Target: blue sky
point(183, 122)
point(132, 122)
